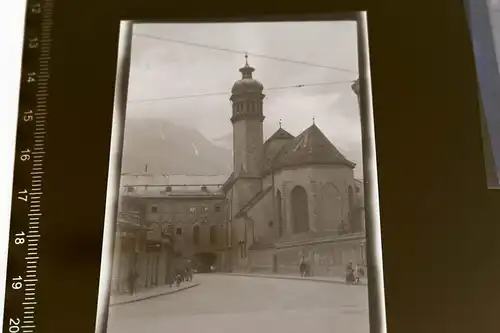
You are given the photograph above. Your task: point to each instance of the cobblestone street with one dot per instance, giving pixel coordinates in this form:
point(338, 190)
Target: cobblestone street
point(224, 303)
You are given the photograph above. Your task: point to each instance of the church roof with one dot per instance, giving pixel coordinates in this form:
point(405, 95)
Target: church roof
point(280, 134)
point(310, 147)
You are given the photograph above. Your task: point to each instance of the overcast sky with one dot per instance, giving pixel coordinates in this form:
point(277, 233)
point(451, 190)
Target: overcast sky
point(165, 69)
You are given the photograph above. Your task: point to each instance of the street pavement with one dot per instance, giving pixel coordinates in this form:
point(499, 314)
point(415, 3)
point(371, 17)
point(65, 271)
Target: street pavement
point(141, 295)
point(228, 304)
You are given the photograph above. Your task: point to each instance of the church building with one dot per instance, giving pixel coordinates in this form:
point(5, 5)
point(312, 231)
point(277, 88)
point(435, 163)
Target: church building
point(288, 197)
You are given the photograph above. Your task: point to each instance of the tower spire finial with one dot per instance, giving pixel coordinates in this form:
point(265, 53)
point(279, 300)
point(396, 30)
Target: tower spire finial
point(314, 118)
point(281, 121)
point(246, 70)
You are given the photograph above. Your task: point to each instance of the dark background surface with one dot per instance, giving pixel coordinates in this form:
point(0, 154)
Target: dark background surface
point(440, 224)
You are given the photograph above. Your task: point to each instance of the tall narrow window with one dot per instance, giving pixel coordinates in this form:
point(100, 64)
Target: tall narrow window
point(300, 210)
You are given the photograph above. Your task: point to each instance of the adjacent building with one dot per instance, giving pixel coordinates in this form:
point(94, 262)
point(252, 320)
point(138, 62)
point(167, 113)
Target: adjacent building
point(193, 208)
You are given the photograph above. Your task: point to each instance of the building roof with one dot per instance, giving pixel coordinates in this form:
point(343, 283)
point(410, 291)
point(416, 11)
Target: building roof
point(309, 148)
point(229, 182)
point(280, 134)
point(131, 179)
point(154, 185)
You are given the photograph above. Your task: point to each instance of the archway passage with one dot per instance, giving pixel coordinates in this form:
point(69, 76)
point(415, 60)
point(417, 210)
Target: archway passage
point(331, 207)
point(279, 213)
point(204, 261)
point(300, 210)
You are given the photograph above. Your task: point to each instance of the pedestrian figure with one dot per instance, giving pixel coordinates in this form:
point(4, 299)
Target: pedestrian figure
point(308, 269)
point(350, 273)
point(302, 267)
point(178, 280)
point(132, 278)
point(360, 272)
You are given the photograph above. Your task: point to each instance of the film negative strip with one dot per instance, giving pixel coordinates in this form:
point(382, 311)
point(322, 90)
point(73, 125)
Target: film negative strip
point(27, 212)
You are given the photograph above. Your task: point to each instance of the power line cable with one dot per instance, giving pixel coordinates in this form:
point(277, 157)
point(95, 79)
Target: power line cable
point(227, 93)
point(165, 39)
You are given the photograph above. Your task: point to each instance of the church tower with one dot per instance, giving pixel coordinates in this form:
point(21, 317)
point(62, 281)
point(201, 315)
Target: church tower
point(247, 119)
point(248, 137)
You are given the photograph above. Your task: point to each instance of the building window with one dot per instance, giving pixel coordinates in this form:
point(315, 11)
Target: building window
point(192, 210)
point(178, 231)
point(357, 189)
point(196, 234)
point(217, 209)
point(205, 209)
point(154, 209)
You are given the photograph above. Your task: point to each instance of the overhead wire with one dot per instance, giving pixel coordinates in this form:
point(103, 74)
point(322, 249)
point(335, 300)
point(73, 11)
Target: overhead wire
point(227, 93)
point(258, 55)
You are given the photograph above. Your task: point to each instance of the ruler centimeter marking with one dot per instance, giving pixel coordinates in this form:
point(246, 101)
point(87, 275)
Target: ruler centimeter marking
point(27, 204)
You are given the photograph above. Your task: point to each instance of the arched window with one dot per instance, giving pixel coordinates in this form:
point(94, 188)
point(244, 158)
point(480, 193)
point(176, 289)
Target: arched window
point(300, 210)
point(279, 213)
point(213, 235)
point(196, 234)
point(331, 207)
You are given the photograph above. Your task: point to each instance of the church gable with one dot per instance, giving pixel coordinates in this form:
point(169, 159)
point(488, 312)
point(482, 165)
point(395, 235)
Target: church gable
point(273, 145)
point(310, 147)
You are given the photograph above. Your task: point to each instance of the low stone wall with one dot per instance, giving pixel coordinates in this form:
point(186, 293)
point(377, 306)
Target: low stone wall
point(326, 258)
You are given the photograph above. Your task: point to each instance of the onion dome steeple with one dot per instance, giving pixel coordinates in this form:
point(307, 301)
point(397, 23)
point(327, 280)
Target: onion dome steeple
point(247, 96)
point(247, 84)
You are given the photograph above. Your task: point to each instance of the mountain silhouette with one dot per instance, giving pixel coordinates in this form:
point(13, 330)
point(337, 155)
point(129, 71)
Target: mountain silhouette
point(168, 148)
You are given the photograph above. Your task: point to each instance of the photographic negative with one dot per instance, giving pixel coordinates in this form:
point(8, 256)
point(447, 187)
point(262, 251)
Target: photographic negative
point(484, 23)
point(241, 201)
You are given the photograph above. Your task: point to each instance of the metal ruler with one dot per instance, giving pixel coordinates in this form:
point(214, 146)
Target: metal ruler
point(27, 199)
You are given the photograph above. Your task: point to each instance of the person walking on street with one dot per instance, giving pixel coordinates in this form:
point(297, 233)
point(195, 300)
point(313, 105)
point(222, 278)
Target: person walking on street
point(302, 267)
